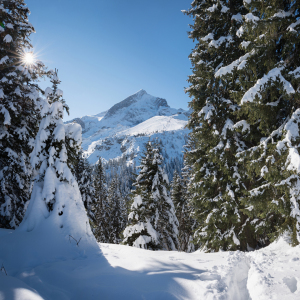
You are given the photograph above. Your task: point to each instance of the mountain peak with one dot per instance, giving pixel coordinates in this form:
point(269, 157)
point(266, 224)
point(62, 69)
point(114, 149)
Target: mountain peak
point(141, 97)
point(140, 93)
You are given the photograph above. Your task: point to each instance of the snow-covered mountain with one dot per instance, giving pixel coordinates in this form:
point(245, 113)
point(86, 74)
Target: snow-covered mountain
point(122, 131)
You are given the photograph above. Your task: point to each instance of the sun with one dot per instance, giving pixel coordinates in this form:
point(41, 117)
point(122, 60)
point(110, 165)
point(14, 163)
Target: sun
point(28, 59)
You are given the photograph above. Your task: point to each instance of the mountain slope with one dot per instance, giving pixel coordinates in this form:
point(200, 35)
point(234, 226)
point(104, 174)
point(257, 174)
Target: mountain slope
point(122, 131)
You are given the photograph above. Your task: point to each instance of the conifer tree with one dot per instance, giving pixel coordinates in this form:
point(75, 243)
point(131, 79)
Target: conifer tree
point(118, 213)
point(183, 213)
point(84, 178)
point(56, 203)
point(102, 218)
point(19, 115)
point(186, 180)
point(268, 75)
point(152, 221)
point(215, 183)
point(54, 144)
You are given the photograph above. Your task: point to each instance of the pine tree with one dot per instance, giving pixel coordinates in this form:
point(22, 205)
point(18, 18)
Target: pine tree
point(152, 221)
point(102, 218)
point(268, 96)
point(216, 183)
point(118, 213)
point(19, 114)
point(183, 213)
point(84, 178)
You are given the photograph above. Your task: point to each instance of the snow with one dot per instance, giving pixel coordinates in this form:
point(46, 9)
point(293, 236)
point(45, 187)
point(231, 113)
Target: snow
point(4, 59)
point(157, 124)
point(274, 74)
point(218, 42)
point(6, 115)
point(292, 26)
point(245, 44)
point(292, 134)
point(227, 126)
point(243, 125)
point(212, 8)
point(239, 64)
point(282, 14)
point(208, 111)
point(250, 17)
point(210, 36)
point(296, 72)
point(237, 17)
point(12, 288)
point(123, 272)
point(137, 201)
point(7, 38)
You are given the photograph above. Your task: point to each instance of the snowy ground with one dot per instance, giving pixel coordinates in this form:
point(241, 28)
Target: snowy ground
point(122, 272)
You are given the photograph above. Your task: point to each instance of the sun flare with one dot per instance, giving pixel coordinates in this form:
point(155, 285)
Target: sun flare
point(28, 59)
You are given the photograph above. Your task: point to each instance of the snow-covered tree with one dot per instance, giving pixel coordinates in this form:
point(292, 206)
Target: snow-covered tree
point(56, 205)
point(152, 220)
point(101, 213)
point(117, 212)
point(183, 211)
point(84, 178)
point(117, 166)
point(215, 182)
point(268, 75)
point(19, 115)
point(275, 204)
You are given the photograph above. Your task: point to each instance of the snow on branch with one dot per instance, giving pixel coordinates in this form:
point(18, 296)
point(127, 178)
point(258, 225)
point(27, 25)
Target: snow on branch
point(274, 74)
point(239, 64)
point(292, 26)
point(243, 125)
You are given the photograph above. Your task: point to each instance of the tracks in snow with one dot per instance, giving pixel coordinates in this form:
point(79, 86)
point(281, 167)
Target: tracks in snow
point(237, 277)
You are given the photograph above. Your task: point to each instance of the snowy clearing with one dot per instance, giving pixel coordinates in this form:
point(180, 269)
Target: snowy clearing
point(64, 271)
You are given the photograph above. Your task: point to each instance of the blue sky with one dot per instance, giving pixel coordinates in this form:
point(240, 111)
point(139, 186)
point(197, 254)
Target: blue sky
point(108, 50)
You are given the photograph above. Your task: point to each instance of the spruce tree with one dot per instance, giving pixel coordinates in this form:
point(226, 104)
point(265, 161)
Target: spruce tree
point(216, 183)
point(84, 178)
point(117, 212)
point(56, 206)
point(183, 213)
point(19, 114)
point(152, 221)
point(102, 218)
point(55, 143)
point(268, 75)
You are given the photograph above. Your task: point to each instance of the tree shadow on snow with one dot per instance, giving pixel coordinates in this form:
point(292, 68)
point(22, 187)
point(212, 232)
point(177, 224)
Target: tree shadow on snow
point(94, 278)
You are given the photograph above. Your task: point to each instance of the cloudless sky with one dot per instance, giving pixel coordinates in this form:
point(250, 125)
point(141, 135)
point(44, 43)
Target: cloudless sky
point(106, 50)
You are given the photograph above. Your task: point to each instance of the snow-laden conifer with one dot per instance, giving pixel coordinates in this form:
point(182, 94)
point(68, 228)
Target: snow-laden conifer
point(117, 212)
point(84, 178)
point(56, 205)
point(274, 203)
point(19, 115)
point(152, 220)
point(215, 182)
point(101, 212)
point(268, 74)
point(183, 212)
